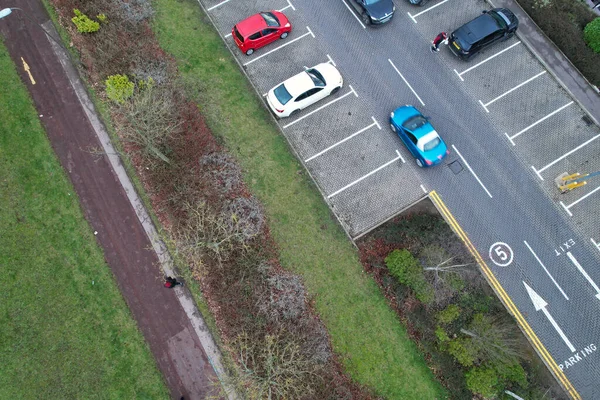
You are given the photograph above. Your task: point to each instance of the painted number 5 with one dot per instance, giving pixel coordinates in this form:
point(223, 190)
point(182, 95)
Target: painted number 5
point(501, 254)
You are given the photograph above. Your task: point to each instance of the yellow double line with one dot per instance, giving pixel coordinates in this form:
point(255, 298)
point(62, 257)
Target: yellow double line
point(535, 341)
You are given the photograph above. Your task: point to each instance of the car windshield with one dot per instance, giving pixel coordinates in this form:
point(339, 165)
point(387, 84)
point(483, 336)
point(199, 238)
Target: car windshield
point(316, 77)
point(369, 2)
point(499, 19)
point(426, 143)
point(414, 123)
point(270, 19)
point(282, 94)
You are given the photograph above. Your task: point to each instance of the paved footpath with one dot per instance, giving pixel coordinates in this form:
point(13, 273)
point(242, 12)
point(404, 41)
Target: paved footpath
point(167, 318)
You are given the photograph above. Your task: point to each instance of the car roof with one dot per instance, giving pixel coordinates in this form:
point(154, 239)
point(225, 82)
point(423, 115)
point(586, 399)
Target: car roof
point(298, 84)
point(477, 28)
point(251, 25)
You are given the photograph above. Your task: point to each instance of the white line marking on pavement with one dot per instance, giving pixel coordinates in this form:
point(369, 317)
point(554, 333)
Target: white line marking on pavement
point(565, 155)
point(484, 107)
point(595, 244)
point(585, 274)
point(405, 81)
point(484, 61)
point(331, 60)
point(544, 267)
point(471, 169)
point(537, 122)
point(511, 90)
point(228, 35)
point(343, 140)
point(581, 198)
point(374, 120)
point(283, 45)
point(537, 172)
point(353, 14)
point(402, 158)
point(215, 6)
point(423, 188)
point(424, 11)
point(566, 208)
point(365, 176)
point(288, 6)
point(322, 107)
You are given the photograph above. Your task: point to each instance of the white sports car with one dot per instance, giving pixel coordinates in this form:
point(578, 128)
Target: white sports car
point(304, 89)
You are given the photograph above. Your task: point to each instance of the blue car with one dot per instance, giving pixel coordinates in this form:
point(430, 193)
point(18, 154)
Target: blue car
point(418, 135)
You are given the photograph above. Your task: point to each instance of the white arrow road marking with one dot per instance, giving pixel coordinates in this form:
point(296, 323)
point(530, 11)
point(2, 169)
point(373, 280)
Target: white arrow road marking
point(540, 304)
point(585, 275)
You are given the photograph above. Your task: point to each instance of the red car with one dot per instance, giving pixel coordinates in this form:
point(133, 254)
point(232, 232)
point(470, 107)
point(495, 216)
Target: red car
point(259, 30)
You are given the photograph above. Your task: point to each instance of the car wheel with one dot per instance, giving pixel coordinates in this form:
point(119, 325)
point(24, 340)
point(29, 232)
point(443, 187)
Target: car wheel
point(249, 52)
point(393, 127)
point(365, 18)
point(335, 90)
point(283, 35)
point(419, 163)
point(294, 113)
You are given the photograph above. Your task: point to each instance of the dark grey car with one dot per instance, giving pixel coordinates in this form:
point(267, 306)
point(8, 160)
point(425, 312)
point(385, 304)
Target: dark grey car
point(374, 12)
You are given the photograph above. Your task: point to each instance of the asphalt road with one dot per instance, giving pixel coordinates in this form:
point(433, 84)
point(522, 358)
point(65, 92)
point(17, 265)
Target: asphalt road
point(510, 211)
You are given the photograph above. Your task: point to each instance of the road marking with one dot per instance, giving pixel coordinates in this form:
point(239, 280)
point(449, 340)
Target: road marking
point(423, 188)
point(424, 11)
point(510, 91)
point(540, 304)
point(537, 122)
point(544, 267)
point(501, 254)
point(228, 35)
point(577, 201)
point(354, 14)
point(484, 61)
point(506, 300)
point(367, 175)
point(595, 244)
point(344, 140)
point(28, 70)
point(564, 155)
point(331, 60)
point(401, 158)
point(585, 274)
point(288, 6)
point(218, 5)
point(322, 107)
point(283, 45)
point(407, 84)
point(471, 169)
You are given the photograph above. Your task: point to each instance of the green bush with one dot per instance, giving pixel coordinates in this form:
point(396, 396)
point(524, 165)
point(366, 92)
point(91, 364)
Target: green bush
point(119, 88)
point(448, 314)
point(463, 351)
point(441, 335)
point(101, 17)
point(591, 34)
point(83, 23)
point(406, 269)
point(483, 381)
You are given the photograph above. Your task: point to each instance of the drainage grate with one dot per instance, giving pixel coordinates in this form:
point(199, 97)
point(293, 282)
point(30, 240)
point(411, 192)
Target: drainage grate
point(456, 167)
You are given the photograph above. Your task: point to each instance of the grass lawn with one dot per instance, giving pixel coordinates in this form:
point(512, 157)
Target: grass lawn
point(365, 332)
point(65, 330)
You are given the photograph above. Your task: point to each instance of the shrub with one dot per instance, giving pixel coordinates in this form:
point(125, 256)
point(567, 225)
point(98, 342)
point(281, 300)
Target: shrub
point(463, 351)
point(483, 381)
point(441, 335)
point(119, 88)
point(83, 23)
point(591, 34)
point(101, 17)
point(406, 269)
point(449, 314)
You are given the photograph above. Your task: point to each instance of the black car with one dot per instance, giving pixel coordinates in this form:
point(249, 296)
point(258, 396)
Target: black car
point(418, 2)
point(491, 27)
point(374, 12)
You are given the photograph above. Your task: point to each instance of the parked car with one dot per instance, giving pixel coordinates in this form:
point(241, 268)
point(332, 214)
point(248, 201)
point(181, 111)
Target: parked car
point(419, 136)
point(375, 12)
point(490, 27)
point(420, 3)
point(259, 30)
point(304, 89)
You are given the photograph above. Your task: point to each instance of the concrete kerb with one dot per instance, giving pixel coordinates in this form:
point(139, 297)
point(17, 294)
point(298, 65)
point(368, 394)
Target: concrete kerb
point(165, 260)
point(537, 55)
point(257, 92)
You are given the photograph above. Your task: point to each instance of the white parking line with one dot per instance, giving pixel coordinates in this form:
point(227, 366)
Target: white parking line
point(544, 267)
point(471, 169)
point(567, 208)
point(423, 188)
point(288, 6)
point(407, 84)
point(536, 123)
point(424, 11)
point(331, 60)
point(563, 156)
point(367, 175)
point(229, 34)
point(344, 140)
point(510, 91)
point(322, 107)
point(283, 45)
point(484, 61)
point(354, 14)
point(595, 244)
point(215, 6)
point(401, 158)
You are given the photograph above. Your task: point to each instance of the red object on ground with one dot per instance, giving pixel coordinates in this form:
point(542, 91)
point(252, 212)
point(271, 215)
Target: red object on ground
point(260, 29)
